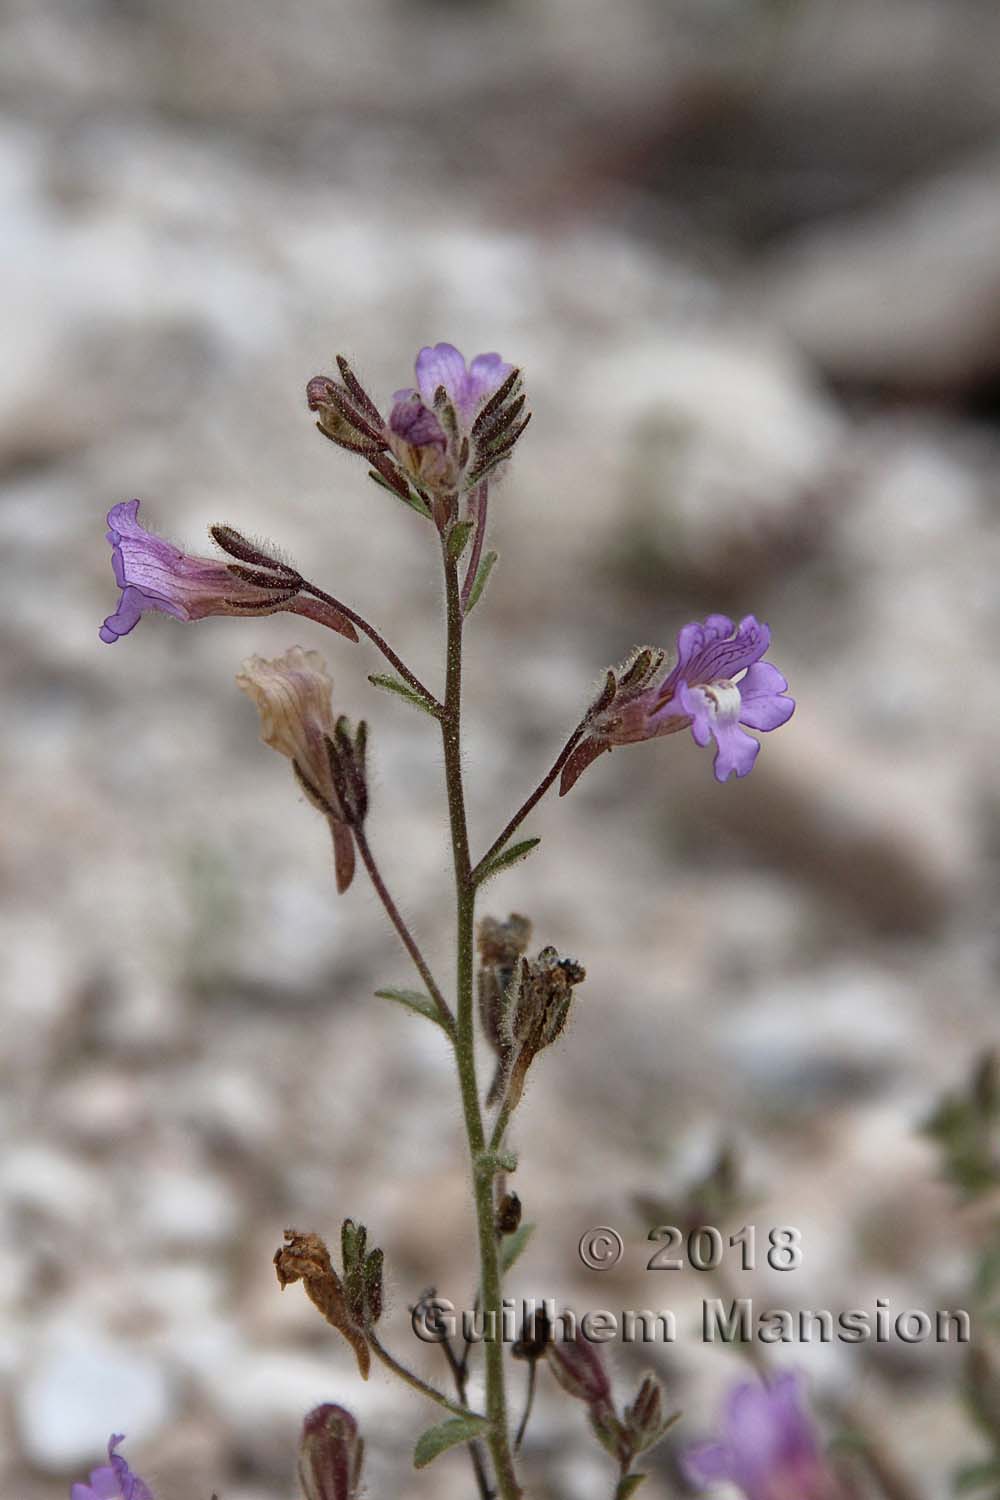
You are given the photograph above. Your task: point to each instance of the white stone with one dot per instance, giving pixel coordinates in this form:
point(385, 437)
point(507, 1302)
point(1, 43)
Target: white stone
point(80, 1386)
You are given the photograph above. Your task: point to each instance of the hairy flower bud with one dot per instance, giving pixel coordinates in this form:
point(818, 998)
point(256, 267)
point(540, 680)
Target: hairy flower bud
point(330, 1454)
point(579, 1369)
point(644, 1423)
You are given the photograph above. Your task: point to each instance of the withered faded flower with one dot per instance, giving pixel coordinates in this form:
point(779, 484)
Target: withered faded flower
point(330, 1454)
point(305, 1258)
point(294, 696)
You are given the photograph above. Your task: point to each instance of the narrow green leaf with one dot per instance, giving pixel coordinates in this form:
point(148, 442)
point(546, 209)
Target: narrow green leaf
point(661, 1431)
point(479, 582)
point(413, 500)
point(507, 857)
point(402, 690)
point(458, 539)
point(413, 1000)
point(628, 1486)
point(513, 1245)
point(448, 1435)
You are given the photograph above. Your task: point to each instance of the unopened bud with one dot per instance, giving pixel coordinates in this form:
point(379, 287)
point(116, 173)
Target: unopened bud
point(330, 1454)
point(644, 1418)
point(579, 1369)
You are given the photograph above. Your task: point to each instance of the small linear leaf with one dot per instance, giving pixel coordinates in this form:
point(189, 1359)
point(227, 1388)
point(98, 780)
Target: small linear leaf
point(413, 500)
point(459, 537)
point(393, 685)
point(513, 1245)
point(507, 857)
point(479, 583)
point(628, 1486)
point(448, 1435)
point(661, 1432)
point(413, 1000)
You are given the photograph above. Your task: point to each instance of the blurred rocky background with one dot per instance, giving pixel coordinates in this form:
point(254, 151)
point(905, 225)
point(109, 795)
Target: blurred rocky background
point(748, 254)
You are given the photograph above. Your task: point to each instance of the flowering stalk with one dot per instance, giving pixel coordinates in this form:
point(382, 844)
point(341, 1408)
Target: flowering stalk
point(444, 442)
point(482, 1174)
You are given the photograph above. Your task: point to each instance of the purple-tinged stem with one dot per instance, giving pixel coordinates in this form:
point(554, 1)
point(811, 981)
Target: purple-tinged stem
point(411, 1378)
point(525, 808)
point(406, 936)
point(383, 645)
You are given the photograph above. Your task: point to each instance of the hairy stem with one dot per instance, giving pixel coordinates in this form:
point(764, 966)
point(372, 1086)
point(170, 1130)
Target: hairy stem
point(411, 1378)
point(500, 1123)
point(477, 1457)
point(482, 1176)
point(379, 641)
point(406, 936)
point(531, 801)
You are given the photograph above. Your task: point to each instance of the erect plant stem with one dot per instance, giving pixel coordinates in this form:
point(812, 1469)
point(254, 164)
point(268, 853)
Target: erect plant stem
point(482, 1174)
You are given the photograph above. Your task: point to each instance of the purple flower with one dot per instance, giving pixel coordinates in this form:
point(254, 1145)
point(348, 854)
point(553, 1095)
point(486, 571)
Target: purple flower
point(468, 387)
point(440, 443)
point(113, 1480)
point(443, 437)
point(768, 1447)
point(153, 574)
point(718, 687)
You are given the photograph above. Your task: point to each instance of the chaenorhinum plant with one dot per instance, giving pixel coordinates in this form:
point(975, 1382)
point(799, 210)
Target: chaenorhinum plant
point(445, 442)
